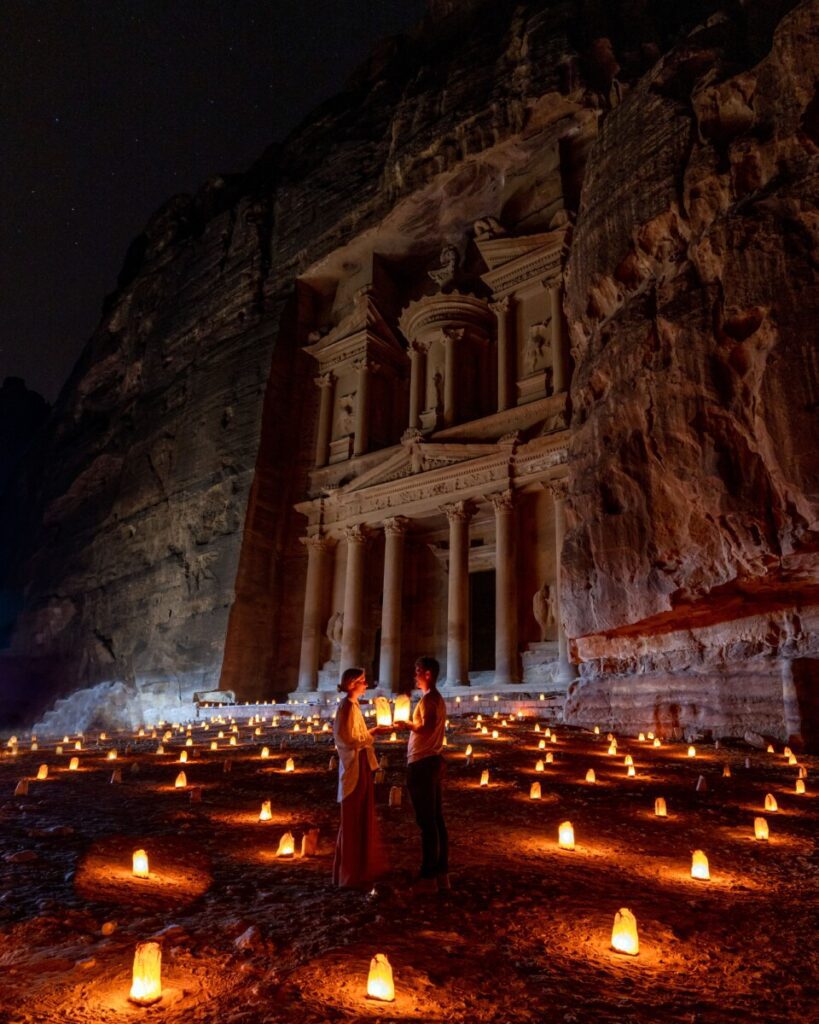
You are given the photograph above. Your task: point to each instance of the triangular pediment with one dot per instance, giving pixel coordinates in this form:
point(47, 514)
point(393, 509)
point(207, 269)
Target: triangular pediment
point(415, 458)
point(497, 252)
point(365, 319)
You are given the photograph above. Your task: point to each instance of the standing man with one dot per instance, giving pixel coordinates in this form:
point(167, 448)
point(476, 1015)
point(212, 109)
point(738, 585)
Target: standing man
point(425, 769)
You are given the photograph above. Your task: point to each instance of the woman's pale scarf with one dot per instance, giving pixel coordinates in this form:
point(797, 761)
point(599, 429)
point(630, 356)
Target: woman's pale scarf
point(351, 736)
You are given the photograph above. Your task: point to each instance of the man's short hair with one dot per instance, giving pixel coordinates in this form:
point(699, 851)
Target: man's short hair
point(429, 664)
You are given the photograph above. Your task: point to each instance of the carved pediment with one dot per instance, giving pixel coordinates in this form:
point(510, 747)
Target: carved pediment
point(513, 262)
point(350, 338)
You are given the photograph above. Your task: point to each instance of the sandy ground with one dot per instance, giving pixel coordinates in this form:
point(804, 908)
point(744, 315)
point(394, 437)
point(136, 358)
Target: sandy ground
point(524, 934)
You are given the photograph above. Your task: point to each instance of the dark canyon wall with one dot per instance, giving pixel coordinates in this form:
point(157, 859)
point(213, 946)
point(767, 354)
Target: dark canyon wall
point(158, 550)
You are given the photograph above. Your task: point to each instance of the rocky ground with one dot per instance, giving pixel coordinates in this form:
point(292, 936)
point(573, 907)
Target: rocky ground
point(523, 936)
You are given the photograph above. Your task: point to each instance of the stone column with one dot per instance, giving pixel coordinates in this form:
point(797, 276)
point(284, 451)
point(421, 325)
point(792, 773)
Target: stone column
point(452, 335)
point(505, 373)
point(560, 362)
point(311, 630)
point(389, 668)
point(559, 488)
point(325, 383)
point(353, 631)
point(361, 440)
point(457, 641)
point(506, 602)
point(418, 361)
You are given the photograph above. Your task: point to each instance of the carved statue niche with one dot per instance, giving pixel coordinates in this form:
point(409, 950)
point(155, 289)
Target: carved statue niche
point(346, 414)
point(537, 348)
point(444, 276)
point(544, 610)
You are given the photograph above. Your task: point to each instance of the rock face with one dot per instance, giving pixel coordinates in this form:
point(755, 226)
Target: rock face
point(690, 567)
point(159, 553)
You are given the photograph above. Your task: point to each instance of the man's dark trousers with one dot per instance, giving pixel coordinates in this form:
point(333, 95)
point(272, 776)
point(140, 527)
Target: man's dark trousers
point(424, 784)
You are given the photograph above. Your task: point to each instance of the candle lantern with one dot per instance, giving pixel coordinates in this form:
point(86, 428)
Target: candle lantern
point(597, 730)
point(290, 765)
point(631, 771)
point(181, 781)
point(383, 713)
point(112, 755)
point(550, 757)
point(792, 760)
point(42, 772)
point(641, 738)
point(160, 749)
point(699, 866)
point(78, 745)
point(73, 764)
point(612, 751)
point(787, 752)
point(189, 742)
point(232, 741)
point(214, 745)
point(726, 771)
point(140, 864)
point(541, 745)
point(650, 735)
point(468, 751)
point(401, 712)
point(146, 986)
point(553, 737)
point(485, 777)
point(565, 835)
point(770, 802)
point(265, 754)
point(760, 829)
point(802, 773)
point(539, 766)
point(537, 726)
point(624, 938)
point(58, 749)
point(655, 742)
point(660, 809)
point(770, 748)
point(494, 734)
point(183, 757)
point(265, 814)
point(627, 760)
point(393, 737)
point(287, 845)
point(379, 981)
point(590, 776)
point(692, 751)
point(800, 786)
point(534, 791)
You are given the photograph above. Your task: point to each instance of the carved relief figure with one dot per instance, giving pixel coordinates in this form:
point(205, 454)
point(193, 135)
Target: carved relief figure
point(537, 345)
point(445, 274)
point(335, 630)
point(346, 414)
point(544, 610)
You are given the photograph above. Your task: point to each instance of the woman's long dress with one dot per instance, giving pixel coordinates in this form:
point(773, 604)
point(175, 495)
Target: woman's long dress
point(359, 858)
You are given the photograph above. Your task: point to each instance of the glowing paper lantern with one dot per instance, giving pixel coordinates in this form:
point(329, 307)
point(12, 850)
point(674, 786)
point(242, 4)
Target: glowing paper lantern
point(112, 755)
point(265, 754)
point(468, 751)
point(539, 766)
point(287, 845)
point(624, 938)
point(650, 735)
point(537, 726)
point(189, 742)
point(146, 987)
point(181, 781)
point(290, 765)
point(232, 741)
point(726, 771)
point(160, 749)
point(597, 730)
point(78, 745)
point(627, 760)
point(699, 866)
point(792, 759)
point(553, 737)
point(655, 742)
point(401, 712)
point(265, 814)
point(800, 786)
point(494, 734)
point(42, 772)
point(770, 748)
point(612, 751)
point(760, 829)
point(534, 791)
point(660, 809)
point(183, 757)
point(214, 745)
point(379, 981)
point(787, 752)
point(565, 835)
point(383, 713)
point(590, 776)
point(485, 777)
point(770, 802)
point(541, 745)
point(550, 757)
point(73, 764)
point(692, 751)
point(140, 864)
point(393, 737)
point(641, 738)
point(631, 771)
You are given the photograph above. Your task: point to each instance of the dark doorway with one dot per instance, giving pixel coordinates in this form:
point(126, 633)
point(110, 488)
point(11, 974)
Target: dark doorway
point(482, 621)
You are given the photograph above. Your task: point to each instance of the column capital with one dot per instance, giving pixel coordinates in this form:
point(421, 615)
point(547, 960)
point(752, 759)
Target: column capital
point(459, 511)
point(503, 501)
point(365, 364)
point(452, 334)
point(418, 348)
point(317, 542)
point(558, 487)
point(325, 380)
point(500, 307)
point(358, 533)
point(396, 526)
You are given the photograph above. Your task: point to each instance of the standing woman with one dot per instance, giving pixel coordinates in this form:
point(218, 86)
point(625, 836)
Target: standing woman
point(359, 856)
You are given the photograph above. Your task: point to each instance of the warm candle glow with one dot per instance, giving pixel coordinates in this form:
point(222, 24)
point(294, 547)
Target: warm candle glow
point(401, 711)
point(112, 755)
point(232, 741)
point(800, 786)
point(383, 712)
point(660, 809)
point(726, 771)
point(539, 766)
point(189, 742)
point(641, 738)
point(393, 737)
point(699, 866)
point(468, 751)
point(597, 730)
point(290, 765)
point(565, 835)
point(590, 776)
point(612, 751)
point(541, 745)
point(379, 981)
point(631, 771)
point(627, 760)
point(787, 752)
point(78, 745)
point(265, 814)
point(265, 754)
point(760, 829)
point(485, 777)
point(146, 987)
point(181, 781)
point(140, 864)
point(692, 751)
point(214, 745)
point(534, 791)
point(770, 748)
point(550, 758)
point(42, 772)
point(287, 845)
point(655, 742)
point(73, 764)
point(183, 757)
point(770, 802)
point(494, 734)
point(624, 937)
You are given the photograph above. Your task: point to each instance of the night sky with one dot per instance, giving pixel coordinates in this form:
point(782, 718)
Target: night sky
point(109, 107)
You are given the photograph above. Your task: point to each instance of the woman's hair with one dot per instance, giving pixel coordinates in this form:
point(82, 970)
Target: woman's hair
point(348, 676)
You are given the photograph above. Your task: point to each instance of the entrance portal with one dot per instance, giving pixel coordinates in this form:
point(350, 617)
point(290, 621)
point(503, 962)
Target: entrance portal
point(482, 621)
